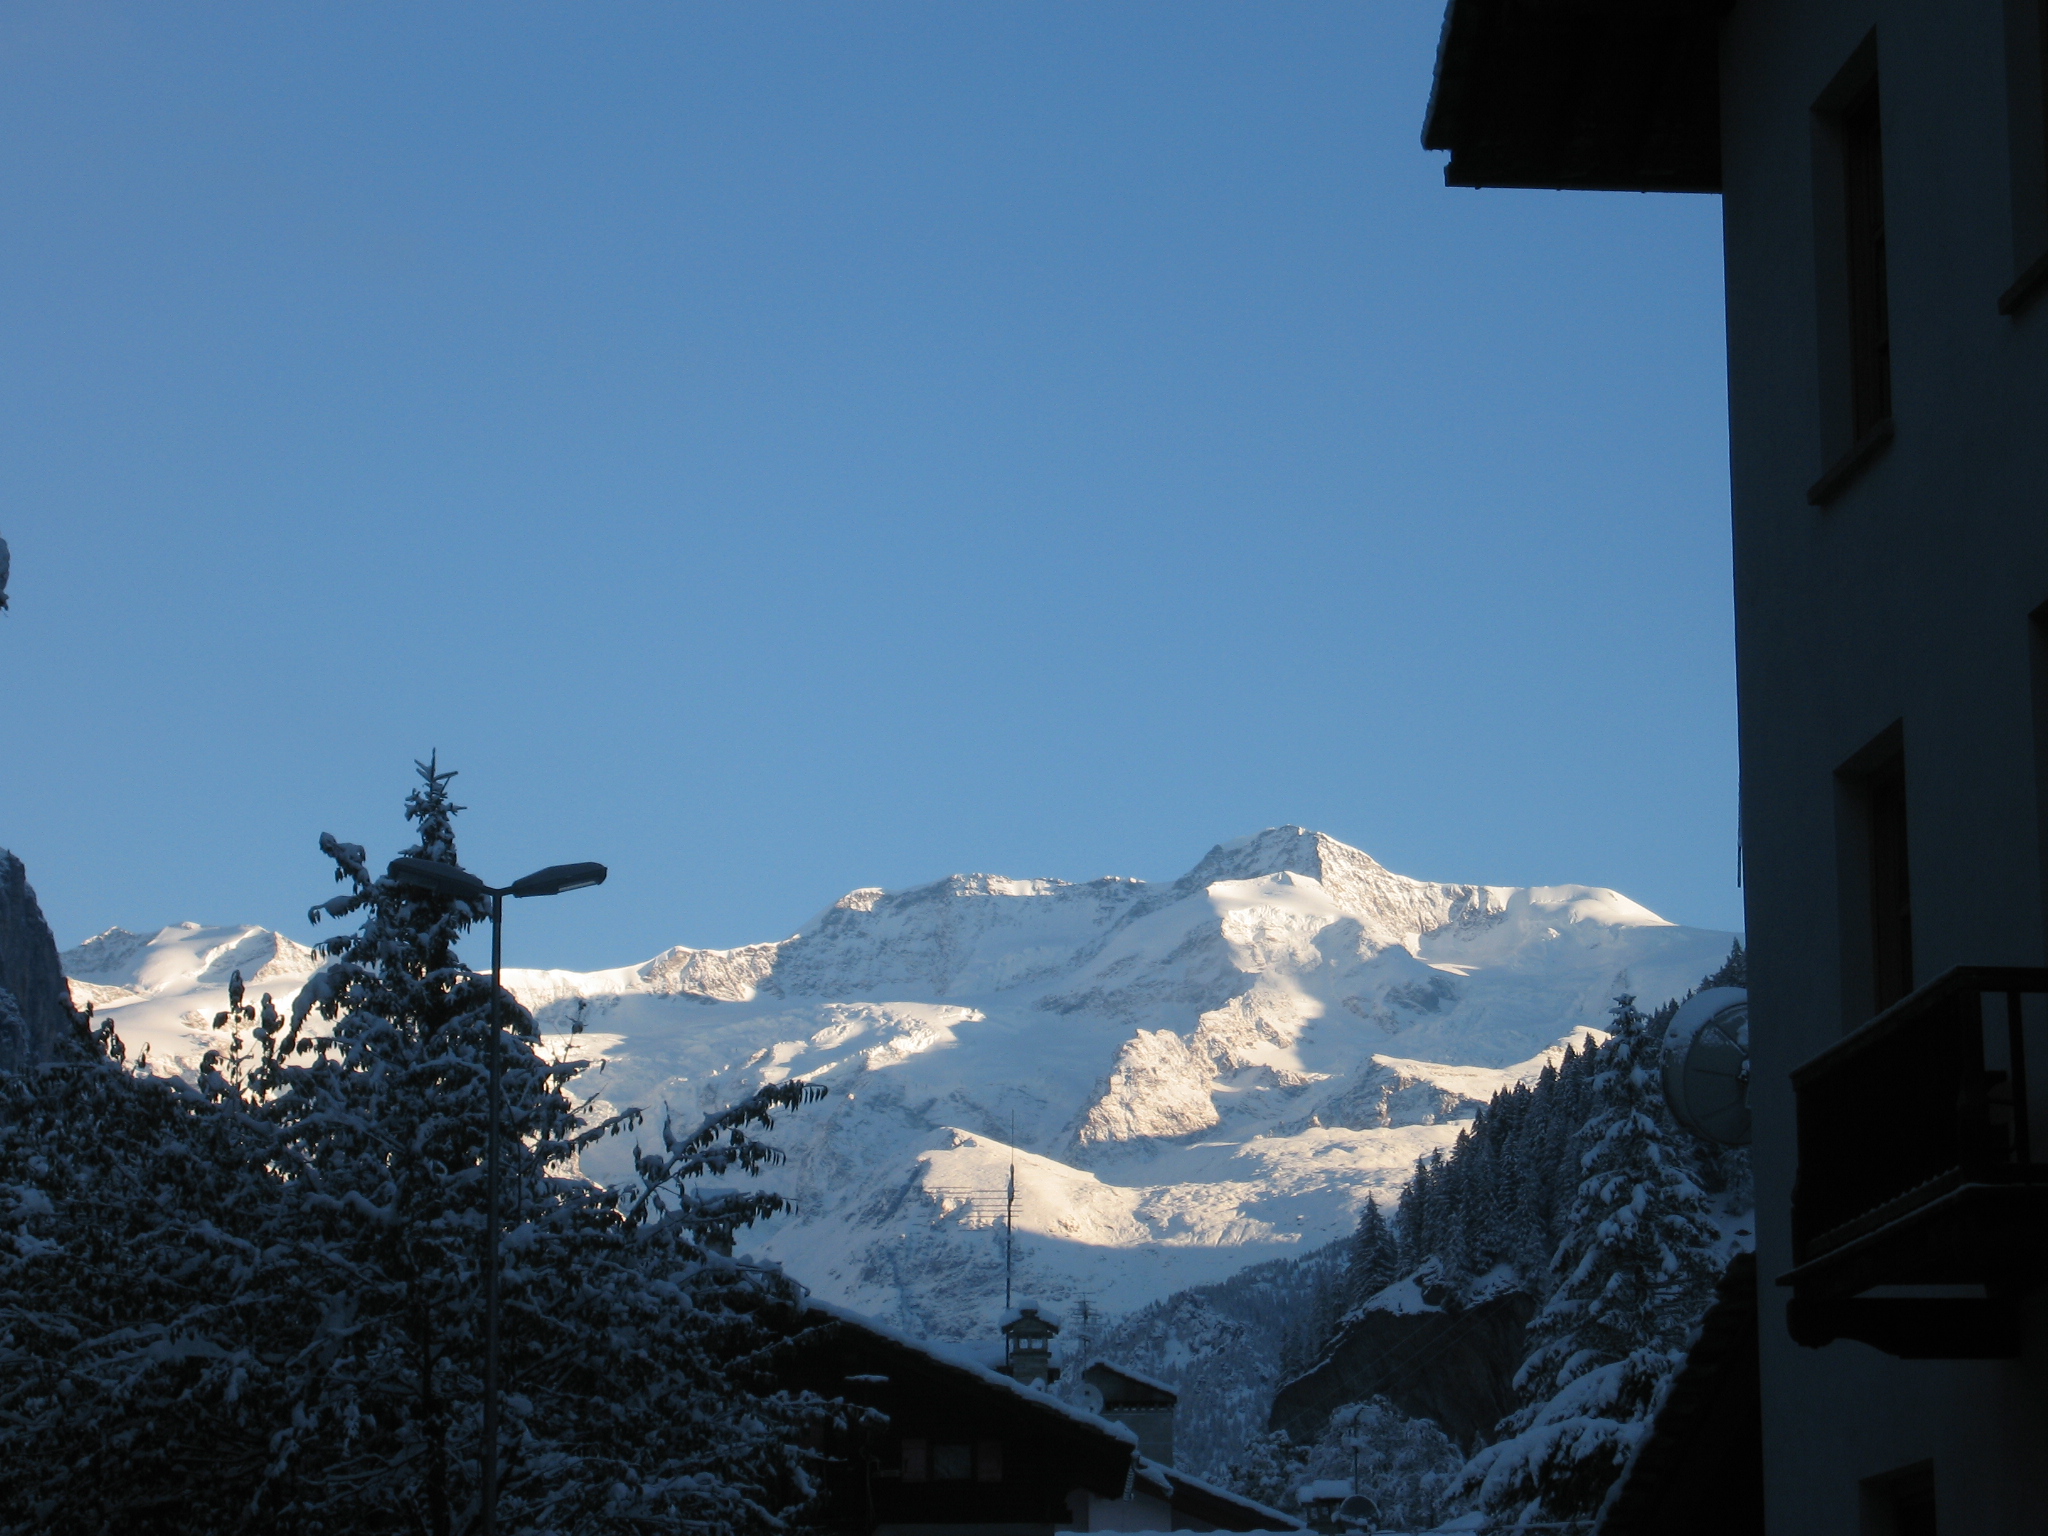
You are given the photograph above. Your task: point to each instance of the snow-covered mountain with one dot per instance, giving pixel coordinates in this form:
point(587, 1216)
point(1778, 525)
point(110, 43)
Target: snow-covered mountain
point(1200, 1076)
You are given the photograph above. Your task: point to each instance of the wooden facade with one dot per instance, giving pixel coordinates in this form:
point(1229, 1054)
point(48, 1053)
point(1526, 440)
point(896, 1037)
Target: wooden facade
point(949, 1446)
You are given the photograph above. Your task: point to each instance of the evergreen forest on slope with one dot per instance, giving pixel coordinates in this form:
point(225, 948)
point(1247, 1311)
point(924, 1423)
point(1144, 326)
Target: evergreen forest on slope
point(1562, 1250)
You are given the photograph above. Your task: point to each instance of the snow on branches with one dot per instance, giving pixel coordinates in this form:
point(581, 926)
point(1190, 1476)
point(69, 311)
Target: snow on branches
point(1580, 1192)
point(255, 1300)
point(1633, 1273)
point(719, 1146)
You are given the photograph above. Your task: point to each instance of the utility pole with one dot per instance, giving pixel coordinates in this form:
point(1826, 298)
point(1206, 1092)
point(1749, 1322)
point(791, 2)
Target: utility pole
point(452, 880)
point(1010, 1218)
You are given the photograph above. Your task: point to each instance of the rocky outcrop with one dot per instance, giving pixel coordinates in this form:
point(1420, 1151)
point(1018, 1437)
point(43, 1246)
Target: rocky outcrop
point(965, 934)
point(1384, 1095)
point(1158, 1087)
point(1453, 1364)
point(714, 975)
point(35, 1007)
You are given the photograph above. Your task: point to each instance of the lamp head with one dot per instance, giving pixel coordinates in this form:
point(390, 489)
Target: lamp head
point(441, 879)
point(557, 878)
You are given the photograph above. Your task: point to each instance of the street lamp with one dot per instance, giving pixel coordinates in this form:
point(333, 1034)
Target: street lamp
point(453, 880)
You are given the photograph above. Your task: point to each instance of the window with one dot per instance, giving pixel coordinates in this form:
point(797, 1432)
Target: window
point(917, 1461)
point(1900, 1503)
point(1870, 331)
point(2037, 56)
point(1891, 893)
point(2026, 95)
point(952, 1463)
point(988, 1461)
point(1875, 874)
point(1855, 331)
point(2037, 634)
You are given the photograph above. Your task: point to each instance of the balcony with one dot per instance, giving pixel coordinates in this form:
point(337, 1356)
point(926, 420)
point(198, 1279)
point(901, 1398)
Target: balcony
point(1920, 1213)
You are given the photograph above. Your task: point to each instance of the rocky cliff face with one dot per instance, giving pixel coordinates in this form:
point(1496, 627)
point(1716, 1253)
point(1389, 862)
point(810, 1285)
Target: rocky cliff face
point(1435, 1360)
point(35, 1008)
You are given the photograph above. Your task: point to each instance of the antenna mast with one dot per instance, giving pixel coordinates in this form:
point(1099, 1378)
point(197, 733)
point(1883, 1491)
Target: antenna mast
point(1010, 1216)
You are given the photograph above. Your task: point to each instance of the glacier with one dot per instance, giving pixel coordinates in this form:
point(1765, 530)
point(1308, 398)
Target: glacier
point(1184, 1079)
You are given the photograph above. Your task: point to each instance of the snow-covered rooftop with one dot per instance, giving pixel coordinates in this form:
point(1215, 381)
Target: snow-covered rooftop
point(960, 1362)
point(1281, 1520)
point(1130, 1375)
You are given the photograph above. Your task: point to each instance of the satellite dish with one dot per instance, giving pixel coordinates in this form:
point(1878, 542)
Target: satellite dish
point(1705, 1057)
point(1359, 1513)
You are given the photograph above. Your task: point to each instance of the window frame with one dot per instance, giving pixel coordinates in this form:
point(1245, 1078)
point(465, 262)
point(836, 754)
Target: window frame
point(2037, 680)
point(1851, 273)
point(2026, 95)
point(1893, 1503)
point(1873, 849)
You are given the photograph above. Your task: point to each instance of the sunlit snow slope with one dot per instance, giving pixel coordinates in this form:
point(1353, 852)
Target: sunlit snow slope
point(1201, 1075)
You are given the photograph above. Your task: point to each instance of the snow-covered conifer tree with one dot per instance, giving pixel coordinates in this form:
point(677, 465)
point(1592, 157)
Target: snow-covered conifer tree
point(1375, 1257)
point(1490, 1225)
point(1560, 1145)
point(1734, 971)
point(255, 1302)
point(1419, 1215)
point(1270, 1469)
point(619, 1325)
point(1458, 1239)
point(146, 1293)
point(1635, 1270)
point(1406, 1465)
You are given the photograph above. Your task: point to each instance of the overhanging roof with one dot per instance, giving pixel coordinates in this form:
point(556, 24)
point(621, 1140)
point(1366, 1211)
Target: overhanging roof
point(1123, 1387)
point(1588, 95)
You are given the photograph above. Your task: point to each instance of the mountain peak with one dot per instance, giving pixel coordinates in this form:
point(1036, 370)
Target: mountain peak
point(1286, 849)
point(1390, 908)
point(178, 954)
point(103, 953)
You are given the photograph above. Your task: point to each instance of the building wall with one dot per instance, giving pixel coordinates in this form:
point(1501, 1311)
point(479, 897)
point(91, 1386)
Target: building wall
point(1139, 1512)
point(1907, 599)
point(1152, 1426)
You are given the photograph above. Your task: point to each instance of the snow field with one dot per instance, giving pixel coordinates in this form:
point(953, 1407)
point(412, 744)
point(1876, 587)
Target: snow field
point(1201, 1075)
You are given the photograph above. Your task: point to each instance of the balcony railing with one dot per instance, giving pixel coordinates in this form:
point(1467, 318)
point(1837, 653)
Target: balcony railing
point(1923, 1173)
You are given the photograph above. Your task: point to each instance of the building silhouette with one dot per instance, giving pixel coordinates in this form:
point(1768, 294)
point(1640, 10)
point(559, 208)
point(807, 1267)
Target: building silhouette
point(1883, 169)
point(949, 1447)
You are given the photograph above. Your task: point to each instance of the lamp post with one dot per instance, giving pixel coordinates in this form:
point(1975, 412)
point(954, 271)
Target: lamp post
point(453, 880)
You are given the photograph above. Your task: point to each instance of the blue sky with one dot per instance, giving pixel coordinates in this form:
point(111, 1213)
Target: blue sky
point(780, 449)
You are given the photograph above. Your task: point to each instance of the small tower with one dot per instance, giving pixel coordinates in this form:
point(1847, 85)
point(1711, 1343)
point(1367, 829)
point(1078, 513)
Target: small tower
point(1027, 1345)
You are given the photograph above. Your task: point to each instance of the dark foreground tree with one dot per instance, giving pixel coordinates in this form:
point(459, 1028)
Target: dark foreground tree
point(135, 1298)
point(255, 1302)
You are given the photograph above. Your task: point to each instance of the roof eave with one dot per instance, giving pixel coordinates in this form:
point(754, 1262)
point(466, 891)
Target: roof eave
point(1579, 95)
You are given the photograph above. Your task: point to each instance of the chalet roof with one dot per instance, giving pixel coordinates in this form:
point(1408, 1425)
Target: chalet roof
point(1028, 1308)
point(864, 1360)
point(1593, 95)
point(944, 1361)
point(1137, 1390)
point(1227, 1511)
